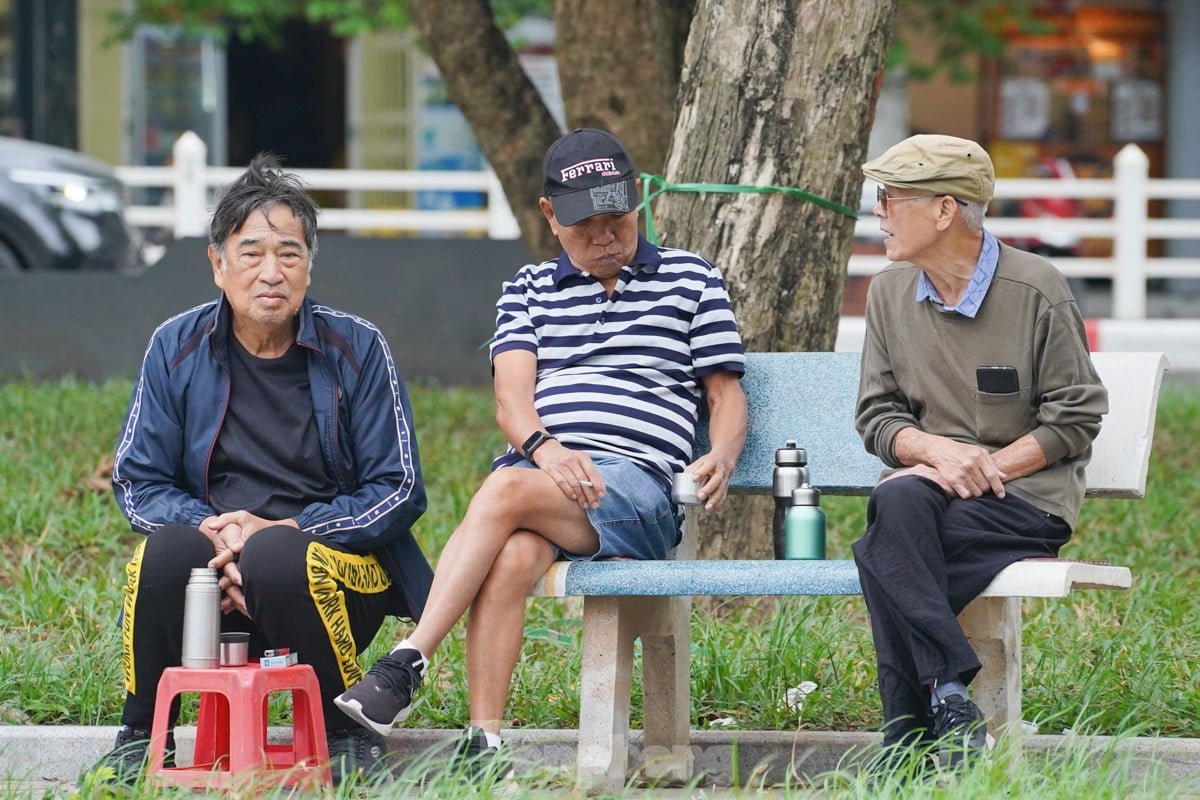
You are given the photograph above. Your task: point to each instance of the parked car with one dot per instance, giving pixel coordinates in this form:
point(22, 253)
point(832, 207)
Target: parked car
point(62, 210)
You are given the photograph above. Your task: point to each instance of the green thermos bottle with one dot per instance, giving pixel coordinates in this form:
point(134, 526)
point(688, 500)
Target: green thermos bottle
point(804, 525)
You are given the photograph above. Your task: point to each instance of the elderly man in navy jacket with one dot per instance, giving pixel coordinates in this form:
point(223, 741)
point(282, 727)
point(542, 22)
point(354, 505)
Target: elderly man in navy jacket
point(271, 438)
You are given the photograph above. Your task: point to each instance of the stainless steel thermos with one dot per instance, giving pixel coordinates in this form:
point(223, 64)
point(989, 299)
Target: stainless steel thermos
point(789, 475)
point(202, 620)
point(804, 526)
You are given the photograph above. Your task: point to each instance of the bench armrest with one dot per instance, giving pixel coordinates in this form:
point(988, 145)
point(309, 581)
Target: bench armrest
point(1054, 577)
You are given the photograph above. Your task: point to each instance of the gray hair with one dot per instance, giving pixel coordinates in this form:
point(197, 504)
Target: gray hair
point(261, 187)
point(972, 213)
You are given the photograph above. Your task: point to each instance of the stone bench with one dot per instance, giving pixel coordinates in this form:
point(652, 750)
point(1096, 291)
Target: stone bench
point(810, 397)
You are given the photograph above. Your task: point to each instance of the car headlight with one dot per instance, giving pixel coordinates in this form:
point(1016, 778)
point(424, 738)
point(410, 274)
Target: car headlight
point(70, 191)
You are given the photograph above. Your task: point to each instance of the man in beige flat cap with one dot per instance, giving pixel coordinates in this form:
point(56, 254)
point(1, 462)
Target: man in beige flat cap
point(978, 392)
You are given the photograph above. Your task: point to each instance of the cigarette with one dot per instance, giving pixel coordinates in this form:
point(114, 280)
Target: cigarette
point(588, 484)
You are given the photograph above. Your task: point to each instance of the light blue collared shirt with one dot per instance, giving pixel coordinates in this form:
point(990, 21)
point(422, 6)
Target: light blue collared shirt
point(981, 279)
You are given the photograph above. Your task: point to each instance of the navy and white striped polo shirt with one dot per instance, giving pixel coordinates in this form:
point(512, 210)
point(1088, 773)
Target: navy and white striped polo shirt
point(622, 374)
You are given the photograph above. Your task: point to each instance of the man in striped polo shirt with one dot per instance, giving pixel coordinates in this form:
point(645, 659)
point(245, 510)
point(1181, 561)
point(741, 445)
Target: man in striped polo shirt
point(600, 360)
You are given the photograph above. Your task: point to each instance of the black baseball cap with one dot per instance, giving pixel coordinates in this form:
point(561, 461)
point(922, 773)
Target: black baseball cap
point(587, 172)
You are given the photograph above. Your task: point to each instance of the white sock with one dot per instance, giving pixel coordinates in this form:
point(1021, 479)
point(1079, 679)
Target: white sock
point(420, 666)
point(492, 739)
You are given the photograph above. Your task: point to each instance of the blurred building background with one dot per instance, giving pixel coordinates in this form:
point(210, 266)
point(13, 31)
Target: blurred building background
point(1099, 74)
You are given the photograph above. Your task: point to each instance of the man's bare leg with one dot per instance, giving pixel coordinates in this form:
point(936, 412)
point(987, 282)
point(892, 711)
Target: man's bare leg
point(510, 500)
point(496, 625)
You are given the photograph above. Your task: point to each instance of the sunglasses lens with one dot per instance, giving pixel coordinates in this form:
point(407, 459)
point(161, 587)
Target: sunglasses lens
point(881, 197)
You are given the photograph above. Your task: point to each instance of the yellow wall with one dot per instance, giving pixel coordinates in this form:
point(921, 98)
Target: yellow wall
point(101, 72)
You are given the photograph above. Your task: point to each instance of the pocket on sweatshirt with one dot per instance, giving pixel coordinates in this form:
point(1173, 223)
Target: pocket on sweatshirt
point(1001, 419)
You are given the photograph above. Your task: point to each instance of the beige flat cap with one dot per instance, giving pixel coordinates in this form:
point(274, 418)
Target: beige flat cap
point(937, 164)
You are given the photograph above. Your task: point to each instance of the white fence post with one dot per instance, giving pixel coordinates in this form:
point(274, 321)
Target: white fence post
point(191, 213)
point(1131, 173)
point(501, 222)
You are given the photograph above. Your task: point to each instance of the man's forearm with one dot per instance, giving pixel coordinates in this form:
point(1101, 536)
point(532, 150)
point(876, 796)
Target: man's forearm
point(727, 425)
point(1023, 457)
point(913, 446)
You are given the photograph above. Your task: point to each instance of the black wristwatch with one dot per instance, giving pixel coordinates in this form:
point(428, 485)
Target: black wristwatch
point(535, 441)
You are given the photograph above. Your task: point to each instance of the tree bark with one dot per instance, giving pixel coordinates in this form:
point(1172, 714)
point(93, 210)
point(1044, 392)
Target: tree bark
point(774, 92)
point(619, 63)
point(485, 80)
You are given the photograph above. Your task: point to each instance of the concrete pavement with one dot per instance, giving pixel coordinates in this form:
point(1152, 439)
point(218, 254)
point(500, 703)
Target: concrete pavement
point(55, 755)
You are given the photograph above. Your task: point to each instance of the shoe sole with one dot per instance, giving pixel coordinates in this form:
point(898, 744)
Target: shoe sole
point(353, 709)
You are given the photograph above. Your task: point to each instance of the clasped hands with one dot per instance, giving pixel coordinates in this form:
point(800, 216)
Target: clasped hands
point(964, 470)
point(228, 533)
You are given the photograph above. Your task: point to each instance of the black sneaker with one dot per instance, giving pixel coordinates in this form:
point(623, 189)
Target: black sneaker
point(355, 752)
point(478, 762)
point(126, 762)
point(959, 727)
point(907, 760)
point(384, 697)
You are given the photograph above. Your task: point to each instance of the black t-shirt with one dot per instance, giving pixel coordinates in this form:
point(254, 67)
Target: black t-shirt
point(267, 459)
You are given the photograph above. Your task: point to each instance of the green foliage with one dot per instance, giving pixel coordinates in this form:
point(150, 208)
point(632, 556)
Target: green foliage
point(259, 20)
point(960, 32)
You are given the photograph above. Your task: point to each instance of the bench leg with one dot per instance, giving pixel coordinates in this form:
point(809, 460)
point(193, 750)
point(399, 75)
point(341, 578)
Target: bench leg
point(603, 754)
point(993, 624)
point(666, 669)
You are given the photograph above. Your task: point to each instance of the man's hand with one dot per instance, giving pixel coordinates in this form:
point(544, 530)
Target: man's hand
point(712, 474)
point(232, 597)
point(969, 470)
point(228, 533)
point(921, 471)
point(573, 471)
point(966, 470)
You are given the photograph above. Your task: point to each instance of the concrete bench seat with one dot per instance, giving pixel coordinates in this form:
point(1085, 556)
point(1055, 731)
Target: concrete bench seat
point(810, 398)
point(1049, 577)
point(667, 578)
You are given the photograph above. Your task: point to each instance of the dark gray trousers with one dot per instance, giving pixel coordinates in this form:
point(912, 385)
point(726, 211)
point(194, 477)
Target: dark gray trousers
point(924, 557)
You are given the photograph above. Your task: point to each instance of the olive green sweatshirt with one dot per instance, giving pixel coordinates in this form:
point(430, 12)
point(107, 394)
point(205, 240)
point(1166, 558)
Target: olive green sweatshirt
point(919, 362)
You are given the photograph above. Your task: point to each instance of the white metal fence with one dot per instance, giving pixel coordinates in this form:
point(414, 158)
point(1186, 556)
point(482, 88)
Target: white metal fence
point(185, 211)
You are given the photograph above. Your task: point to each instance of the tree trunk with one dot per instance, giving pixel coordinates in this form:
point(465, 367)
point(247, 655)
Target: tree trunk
point(774, 92)
point(619, 64)
point(485, 80)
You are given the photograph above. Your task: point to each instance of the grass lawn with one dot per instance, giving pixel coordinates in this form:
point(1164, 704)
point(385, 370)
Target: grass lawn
point(1099, 662)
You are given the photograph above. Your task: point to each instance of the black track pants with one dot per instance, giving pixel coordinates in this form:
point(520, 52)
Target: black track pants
point(302, 592)
point(924, 557)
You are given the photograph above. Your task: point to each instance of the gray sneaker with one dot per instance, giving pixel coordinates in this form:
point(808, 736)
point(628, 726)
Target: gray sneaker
point(125, 764)
point(384, 696)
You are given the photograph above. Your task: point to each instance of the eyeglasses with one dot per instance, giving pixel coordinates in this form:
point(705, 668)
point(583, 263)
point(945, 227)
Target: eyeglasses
point(883, 198)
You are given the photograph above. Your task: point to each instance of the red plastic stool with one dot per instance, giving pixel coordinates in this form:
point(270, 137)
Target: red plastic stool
point(231, 731)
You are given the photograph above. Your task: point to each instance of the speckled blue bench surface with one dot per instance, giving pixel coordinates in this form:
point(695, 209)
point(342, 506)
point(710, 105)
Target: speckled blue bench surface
point(808, 397)
point(675, 578)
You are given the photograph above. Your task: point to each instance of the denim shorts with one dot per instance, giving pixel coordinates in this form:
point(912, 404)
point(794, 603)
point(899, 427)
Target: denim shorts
point(636, 518)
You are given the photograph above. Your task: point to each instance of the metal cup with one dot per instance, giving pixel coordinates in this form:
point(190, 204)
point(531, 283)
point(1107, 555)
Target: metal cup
point(235, 649)
point(684, 488)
